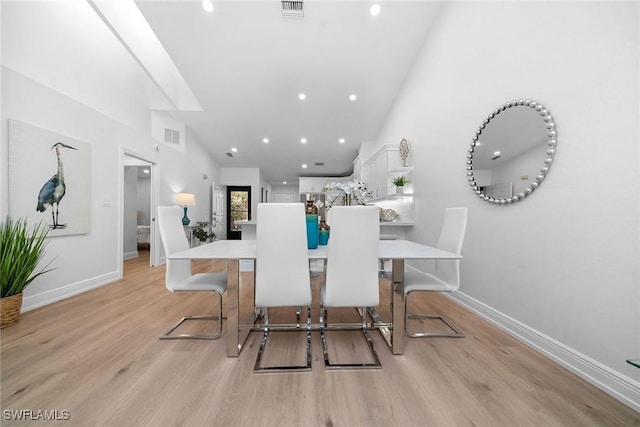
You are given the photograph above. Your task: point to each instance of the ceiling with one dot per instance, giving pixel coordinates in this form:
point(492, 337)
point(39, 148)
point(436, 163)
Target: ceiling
point(246, 64)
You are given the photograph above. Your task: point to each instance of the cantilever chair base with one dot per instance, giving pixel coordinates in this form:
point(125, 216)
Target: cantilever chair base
point(327, 364)
point(257, 369)
point(167, 335)
point(455, 334)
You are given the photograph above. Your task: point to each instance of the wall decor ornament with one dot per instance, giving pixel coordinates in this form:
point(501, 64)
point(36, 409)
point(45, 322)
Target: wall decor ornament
point(511, 152)
point(49, 179)
point(404, 152)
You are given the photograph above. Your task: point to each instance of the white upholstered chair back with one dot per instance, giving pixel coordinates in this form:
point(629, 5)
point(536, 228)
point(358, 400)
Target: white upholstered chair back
point(282, 261)
point(174, 240)
point(451, 238)
point(352, 257)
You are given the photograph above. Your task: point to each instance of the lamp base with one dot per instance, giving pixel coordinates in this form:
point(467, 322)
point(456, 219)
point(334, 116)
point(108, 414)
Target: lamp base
point(185, 218)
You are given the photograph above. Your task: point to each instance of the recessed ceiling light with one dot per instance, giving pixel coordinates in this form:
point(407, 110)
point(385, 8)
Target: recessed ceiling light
point(234, 149)
point(302, 96)
point(284, 182)
point(265, 140)
point(304, 166)
point(374, 10)
point(207, 5)
point(341, 140)
point(145, 170)
point(496, 153)
point(352, 97)
point(303, 140)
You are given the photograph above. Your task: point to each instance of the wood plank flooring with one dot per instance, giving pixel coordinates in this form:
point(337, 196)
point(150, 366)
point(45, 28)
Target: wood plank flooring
point(97, 356)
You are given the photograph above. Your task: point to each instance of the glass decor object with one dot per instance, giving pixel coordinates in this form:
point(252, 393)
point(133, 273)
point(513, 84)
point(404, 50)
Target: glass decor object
point(311, 208)
point(323, 231)
point(312, 231)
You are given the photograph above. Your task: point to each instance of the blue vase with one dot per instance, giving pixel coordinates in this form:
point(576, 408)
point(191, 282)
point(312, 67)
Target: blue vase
point(312, 231)
point(323, 237)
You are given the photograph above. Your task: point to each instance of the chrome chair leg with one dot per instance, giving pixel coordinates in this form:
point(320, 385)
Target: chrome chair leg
point(328, 365)
point(288, 368)
point(167, 335)
point(455, 334)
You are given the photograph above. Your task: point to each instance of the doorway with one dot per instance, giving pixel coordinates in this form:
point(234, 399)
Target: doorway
point(238, 209)
point(137, 231)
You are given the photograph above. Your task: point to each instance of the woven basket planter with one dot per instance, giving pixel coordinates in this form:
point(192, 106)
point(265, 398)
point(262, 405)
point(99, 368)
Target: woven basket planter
point(10, 310)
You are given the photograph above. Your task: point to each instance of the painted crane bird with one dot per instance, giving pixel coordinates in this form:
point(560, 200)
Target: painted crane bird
point(53, 190)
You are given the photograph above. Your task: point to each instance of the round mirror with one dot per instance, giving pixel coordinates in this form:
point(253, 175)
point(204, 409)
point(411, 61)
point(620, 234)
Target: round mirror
point(511, 152)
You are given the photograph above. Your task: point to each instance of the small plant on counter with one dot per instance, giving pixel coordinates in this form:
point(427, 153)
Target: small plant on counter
point(400, 181)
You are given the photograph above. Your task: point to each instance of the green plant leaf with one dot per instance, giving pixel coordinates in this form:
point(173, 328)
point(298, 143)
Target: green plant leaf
point(21, 250)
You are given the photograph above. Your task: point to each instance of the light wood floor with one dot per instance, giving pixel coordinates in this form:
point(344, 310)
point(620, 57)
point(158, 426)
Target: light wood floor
point(97, 355)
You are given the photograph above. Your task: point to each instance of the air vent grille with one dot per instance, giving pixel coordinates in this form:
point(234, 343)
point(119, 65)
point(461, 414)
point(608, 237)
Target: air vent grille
point(171, 136)
point(292, 8)
point(229, 154)
point(319, 163)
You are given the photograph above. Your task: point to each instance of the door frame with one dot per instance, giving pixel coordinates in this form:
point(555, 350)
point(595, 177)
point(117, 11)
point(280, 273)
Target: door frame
point(154, 252)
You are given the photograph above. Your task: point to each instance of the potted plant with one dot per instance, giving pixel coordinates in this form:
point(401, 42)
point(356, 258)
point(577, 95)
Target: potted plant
point(21, 249)
point(400, 182)
point(202, 235)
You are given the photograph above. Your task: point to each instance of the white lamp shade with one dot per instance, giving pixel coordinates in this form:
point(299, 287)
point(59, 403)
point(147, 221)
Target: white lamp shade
point(185, 199)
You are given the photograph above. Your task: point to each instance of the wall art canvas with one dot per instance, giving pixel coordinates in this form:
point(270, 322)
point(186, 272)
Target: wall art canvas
point(49, 179)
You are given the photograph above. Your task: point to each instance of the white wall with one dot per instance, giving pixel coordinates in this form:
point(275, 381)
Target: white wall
point(193, 171)
point(49, 52)
point(561, 267)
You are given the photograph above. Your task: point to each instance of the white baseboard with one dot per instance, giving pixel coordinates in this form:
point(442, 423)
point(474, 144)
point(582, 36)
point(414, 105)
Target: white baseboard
point(130, 255)
point(606, 379)
point(38, 300)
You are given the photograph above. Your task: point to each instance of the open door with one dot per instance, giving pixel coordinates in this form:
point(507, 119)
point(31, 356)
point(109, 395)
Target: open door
point(238, 209)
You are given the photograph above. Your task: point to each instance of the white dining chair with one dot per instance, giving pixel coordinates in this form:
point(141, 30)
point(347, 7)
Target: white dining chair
point(352, 273)
point(446, 277)
point(178, 276)
point(282, 271)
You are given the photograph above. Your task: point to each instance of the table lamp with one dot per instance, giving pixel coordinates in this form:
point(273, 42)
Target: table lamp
point(185, 199)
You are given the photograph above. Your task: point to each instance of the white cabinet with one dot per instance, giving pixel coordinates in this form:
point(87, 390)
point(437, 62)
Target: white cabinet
point(357, 170)
point(312, 184)
point(378, 173)
point(375, 172)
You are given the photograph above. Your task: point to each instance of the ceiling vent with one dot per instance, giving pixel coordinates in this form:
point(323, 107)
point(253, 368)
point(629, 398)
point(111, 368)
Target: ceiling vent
point(292, 9)
point(319, 163)
point(229, 154)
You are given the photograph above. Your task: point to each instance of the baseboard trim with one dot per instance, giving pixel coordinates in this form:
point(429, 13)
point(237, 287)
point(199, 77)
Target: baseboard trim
point(619, 386)
point(130, 255)
point(38, 300)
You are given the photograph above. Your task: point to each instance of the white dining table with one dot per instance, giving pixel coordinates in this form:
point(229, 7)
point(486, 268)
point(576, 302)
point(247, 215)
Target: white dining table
point(233, 251)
